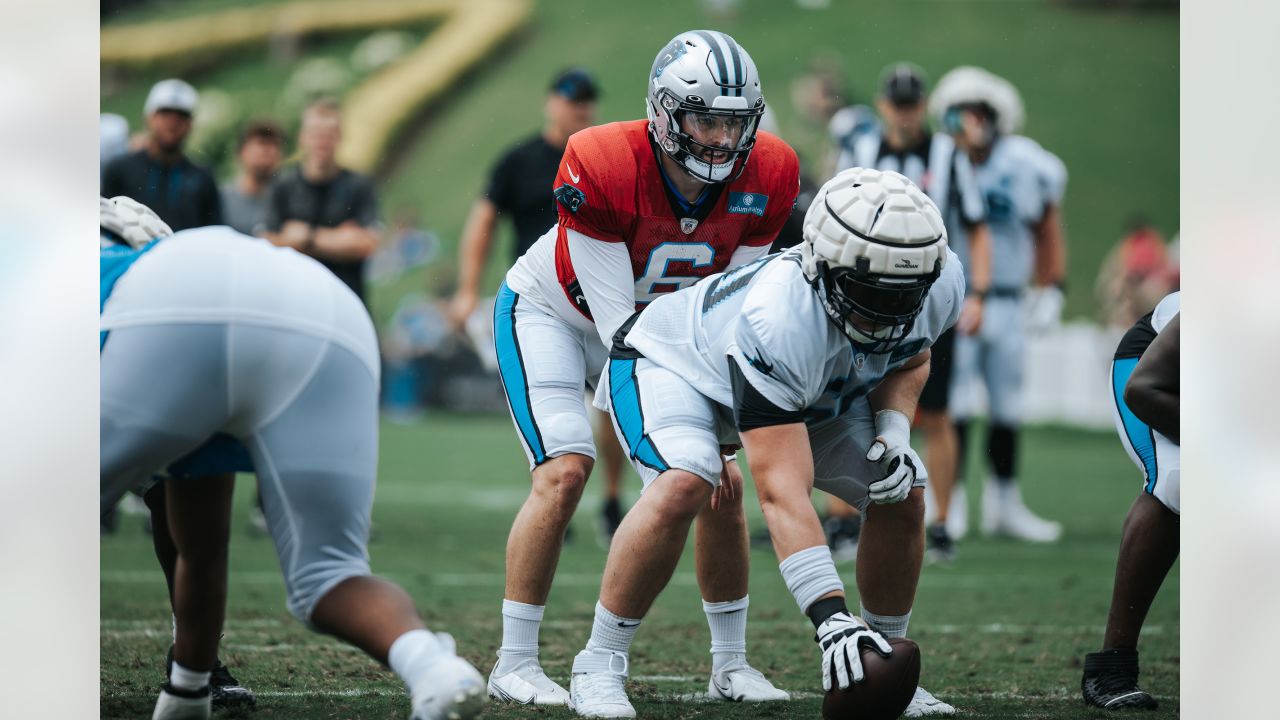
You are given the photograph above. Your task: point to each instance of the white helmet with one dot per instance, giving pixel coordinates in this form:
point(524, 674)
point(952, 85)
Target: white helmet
point(968, 85)
point(704, 73)
point(130, 221)
point(873, 246)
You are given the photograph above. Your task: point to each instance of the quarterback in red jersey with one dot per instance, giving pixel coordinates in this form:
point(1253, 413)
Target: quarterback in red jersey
point(645, 208)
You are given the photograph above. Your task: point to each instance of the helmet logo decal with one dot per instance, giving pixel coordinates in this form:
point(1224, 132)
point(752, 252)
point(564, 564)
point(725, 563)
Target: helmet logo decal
point(673, 52)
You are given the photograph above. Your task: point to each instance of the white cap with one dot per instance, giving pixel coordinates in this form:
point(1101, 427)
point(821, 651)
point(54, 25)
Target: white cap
point(171, 94)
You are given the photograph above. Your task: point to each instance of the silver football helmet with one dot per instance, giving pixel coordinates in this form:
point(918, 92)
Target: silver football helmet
point(704, 79)
point(874, 244)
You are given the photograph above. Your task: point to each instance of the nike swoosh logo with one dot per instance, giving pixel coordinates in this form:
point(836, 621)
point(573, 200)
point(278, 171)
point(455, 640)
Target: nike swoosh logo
point(628, 625)
point(726, 690)
point(569, 167)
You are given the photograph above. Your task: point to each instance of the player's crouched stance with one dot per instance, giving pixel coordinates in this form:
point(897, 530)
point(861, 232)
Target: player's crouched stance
point(209, 332)
point(814, 360)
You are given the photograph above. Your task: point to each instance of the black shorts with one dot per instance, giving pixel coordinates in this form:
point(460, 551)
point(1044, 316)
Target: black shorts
point(938, 386)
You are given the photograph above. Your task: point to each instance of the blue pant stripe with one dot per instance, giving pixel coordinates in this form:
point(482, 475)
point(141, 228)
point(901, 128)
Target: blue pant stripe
point(511, 370)
point(630, 417)
point(1139, 434)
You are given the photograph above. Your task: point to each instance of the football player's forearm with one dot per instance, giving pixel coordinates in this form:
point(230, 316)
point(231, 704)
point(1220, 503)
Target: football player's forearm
point(607, 282)
point(781, 465)
point(1051, 249)
point(1153, 392)
point(980, 258)
point(900, 389)
point(346, 242)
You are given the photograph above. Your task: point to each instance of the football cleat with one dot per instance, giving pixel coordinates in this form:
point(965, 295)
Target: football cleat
point(739, 682)
point(1110, 681)
point(1003, 513)
point(225, 690)
point(175, 704)
point(842, 537)
point(451, 689)
point(938, 546)
point(958, 514)
point(924, 704)
point(598, 687)
point(526, 684)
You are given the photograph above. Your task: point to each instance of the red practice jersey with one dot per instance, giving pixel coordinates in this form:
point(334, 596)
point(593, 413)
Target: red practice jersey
point(610, 187)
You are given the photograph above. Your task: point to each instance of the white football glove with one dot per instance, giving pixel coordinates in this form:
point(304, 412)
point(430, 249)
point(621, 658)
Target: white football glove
point(1044, 309)
point(134, 222)
point(841, 637)
point(892, 450)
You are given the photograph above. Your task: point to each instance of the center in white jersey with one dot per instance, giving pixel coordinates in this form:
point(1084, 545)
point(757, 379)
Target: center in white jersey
point(770, 320)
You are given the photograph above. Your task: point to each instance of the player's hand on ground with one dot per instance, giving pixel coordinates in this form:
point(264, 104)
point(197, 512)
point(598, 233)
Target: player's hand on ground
point(898, 461)
point(730, 486)
point(970, 321)
point(841, 637)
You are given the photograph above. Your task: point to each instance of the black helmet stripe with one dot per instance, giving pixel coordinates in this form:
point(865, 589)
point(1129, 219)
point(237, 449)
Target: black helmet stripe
point(879, 241)
point(740, 79)
point(722, 78)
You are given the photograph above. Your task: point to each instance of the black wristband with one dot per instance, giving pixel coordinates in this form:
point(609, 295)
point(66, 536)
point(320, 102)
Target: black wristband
point(820, 611)
point(980, 294)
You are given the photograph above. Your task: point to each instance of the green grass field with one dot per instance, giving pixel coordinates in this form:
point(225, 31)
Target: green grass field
point(1003, 630)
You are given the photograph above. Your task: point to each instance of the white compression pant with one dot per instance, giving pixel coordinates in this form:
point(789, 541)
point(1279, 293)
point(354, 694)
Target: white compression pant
point(665, 423)
point(304, 406)
point(995, 358)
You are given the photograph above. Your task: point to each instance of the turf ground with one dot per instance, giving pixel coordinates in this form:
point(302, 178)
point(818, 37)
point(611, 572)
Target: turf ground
point(1003, 630)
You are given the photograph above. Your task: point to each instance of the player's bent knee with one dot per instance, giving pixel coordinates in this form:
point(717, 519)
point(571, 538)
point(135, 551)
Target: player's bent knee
point(309, 584)
point(559, 482)
point(679, 495)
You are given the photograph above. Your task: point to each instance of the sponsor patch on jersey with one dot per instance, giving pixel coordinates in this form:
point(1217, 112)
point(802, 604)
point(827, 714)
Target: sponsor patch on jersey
point(570, 197)
point(741, 203)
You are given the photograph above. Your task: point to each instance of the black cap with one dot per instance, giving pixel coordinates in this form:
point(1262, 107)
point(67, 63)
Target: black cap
point(903, 84)
point(575, 84)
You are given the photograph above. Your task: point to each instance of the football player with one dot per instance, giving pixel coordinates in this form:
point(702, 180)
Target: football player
point(211, 340)
point(1145, 388)
point(905, 144)
point(645, 207)
point(813, 360)
point(1023, 185)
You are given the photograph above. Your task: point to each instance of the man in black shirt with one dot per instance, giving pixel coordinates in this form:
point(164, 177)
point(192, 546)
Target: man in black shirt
point(160, 176)
point(320, 208)
point(520, 186)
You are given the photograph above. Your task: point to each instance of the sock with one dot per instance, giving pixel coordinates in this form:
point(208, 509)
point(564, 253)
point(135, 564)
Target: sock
point(520, 624)
point(890, 626)
point(412, 655)
point(612, 632)
point(184, 678)
point(962, 447)
point(1002, 448)
point(728, 623)
point(810, 574)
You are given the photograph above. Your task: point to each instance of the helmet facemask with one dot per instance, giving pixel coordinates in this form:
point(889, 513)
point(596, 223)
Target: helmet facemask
point(876, 312)
point(677, 118)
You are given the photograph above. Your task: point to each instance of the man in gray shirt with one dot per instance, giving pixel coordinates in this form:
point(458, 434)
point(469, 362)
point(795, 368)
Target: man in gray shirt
point(259, 151)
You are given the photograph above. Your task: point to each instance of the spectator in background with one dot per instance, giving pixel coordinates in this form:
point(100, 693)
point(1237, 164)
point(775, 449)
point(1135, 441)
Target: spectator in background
point(520, 185)
point(160, 175)
point(320, 208)
point(259, 151)
point(1137, 273)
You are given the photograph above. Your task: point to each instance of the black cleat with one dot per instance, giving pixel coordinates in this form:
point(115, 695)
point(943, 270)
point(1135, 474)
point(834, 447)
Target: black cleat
point(939, 548)
point(842, 537)
point(610, 518)
point(227, 692)
point(1110, 681)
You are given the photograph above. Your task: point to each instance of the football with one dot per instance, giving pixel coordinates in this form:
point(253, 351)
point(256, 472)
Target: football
point(886, 689)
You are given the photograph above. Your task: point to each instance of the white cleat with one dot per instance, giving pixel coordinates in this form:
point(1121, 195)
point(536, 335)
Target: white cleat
point(958, 514)
point(174, 704)
point(598, 686)
point(526, 684)
point(739, 682)
point(924, 704)
point(451, 690)
point(1008, 515)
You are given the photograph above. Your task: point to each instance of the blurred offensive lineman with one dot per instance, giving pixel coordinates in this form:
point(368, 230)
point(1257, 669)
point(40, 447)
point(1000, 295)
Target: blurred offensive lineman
point(208, 334)
point(645, 208)
point(1144, 382)
point(1023, 185)
point(814, 360)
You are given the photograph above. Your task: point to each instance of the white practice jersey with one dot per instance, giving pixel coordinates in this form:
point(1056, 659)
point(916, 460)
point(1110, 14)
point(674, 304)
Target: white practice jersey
point(1019, 181)
point(769, 320)
point(1168, 307)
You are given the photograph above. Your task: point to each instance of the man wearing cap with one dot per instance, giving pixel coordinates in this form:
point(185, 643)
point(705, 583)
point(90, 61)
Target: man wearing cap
point(904, 144)
point(520, 188)
point(160, 175)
